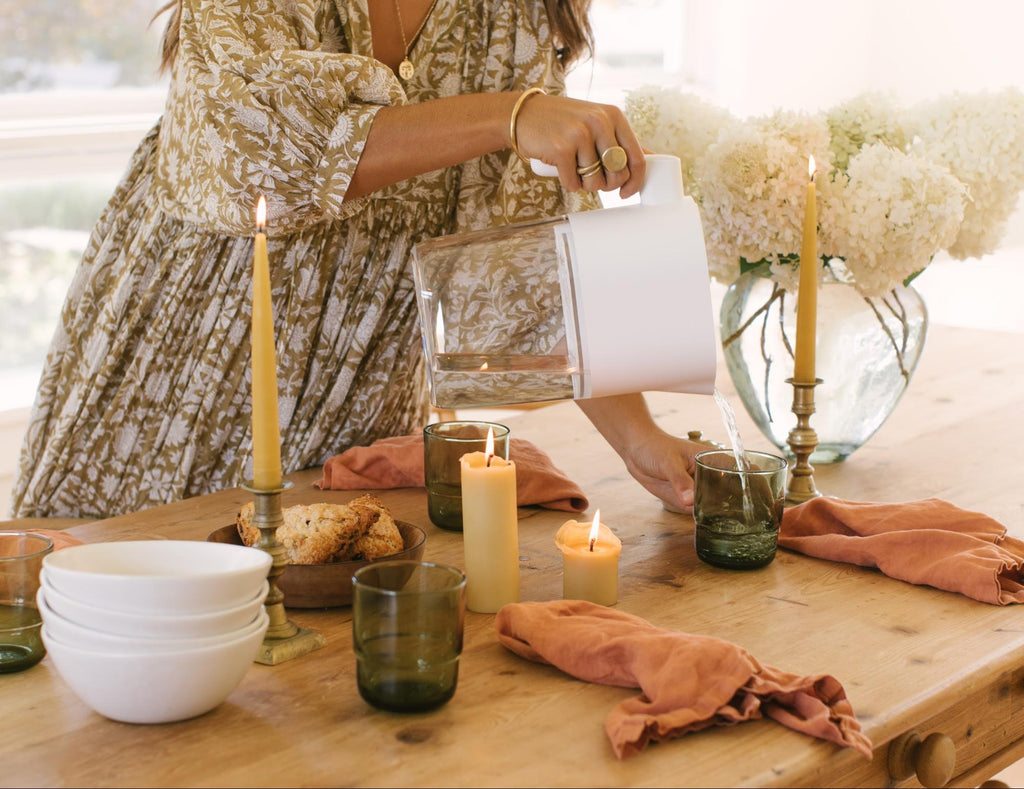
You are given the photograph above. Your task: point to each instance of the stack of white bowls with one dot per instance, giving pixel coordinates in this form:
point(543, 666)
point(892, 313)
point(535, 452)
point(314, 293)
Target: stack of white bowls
point(153, 631)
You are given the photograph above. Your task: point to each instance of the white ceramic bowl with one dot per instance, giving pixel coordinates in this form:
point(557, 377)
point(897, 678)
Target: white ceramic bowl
point(156, 687)
point(77, 635)
point(158, 576)
point(125, 623)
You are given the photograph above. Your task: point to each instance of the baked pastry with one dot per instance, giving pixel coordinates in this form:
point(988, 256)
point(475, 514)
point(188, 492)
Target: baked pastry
point(383, 538)
point(326, 533)
point(313, 533)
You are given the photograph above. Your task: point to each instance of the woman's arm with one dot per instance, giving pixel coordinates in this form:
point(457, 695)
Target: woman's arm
point(659, 461)
point(408, 140)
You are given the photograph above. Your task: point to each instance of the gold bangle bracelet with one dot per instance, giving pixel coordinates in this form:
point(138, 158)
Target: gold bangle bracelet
point(515, 116)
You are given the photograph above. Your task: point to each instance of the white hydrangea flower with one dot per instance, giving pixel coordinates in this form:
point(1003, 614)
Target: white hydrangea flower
point(895, 186)
point(980, 138)
point(888, 216)
point(754, 188)
point(861, 121)
point(667, 120)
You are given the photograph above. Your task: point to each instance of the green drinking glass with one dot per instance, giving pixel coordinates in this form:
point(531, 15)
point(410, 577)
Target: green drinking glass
point(737, 508)
point(407, 620)
point(21, 559)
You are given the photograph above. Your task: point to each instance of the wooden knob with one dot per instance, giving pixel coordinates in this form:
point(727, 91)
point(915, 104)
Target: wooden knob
point(932, 759)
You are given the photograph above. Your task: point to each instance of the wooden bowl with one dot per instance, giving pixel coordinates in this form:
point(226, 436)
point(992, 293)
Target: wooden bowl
point(327, 585)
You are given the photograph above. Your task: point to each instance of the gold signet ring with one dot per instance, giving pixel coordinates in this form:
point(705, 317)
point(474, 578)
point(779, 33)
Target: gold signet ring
point(614, 159)
point(590, 169)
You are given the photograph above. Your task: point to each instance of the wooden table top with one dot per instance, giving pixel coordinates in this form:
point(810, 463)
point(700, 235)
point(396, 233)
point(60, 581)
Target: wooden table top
point(909, 657)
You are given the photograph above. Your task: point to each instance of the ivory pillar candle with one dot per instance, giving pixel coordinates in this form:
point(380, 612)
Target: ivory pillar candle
point(590, 561)
point(266, 433)
point(490, 530)
point(807, 296)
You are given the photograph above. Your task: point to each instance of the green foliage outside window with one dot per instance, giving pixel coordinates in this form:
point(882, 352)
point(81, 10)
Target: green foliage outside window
point(45, 39)
point(43, 230)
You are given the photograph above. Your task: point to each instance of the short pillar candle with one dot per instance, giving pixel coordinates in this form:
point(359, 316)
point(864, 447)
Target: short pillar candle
point(590, 561)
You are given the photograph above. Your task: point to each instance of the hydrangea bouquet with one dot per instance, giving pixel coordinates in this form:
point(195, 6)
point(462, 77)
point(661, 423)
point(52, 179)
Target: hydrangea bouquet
point(896, 185)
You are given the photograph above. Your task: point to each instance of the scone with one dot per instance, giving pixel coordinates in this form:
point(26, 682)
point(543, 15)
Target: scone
point(314, 533)
point(383, 538)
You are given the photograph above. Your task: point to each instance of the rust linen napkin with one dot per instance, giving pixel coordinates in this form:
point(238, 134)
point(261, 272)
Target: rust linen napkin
point(398, 463)
point(688, 682)
point(929, 541)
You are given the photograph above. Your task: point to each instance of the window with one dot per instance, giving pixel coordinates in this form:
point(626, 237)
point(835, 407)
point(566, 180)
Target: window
point(78, 89)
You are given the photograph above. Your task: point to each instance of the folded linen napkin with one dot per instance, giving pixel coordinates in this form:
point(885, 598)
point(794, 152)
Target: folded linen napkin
point(929, 541)
point(688, 682)
point(398, 463)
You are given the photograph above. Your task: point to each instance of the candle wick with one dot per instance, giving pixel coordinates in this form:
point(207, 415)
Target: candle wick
point(592, 544)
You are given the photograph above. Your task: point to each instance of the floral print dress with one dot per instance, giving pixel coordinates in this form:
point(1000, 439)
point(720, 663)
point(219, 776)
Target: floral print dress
point(145, 396)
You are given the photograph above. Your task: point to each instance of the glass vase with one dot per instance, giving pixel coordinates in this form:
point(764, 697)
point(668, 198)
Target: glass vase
point(867, 350)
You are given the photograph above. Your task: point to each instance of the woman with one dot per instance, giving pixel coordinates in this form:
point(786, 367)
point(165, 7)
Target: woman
point(145, 394)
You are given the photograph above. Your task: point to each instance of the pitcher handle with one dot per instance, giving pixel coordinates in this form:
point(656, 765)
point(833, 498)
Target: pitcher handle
point(662, 184)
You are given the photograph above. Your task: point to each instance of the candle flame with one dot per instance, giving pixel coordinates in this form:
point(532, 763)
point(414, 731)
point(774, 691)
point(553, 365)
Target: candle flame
point(595, 527)
point(812, 168)
point(483, 367)
point(261, 213)
point(489, 446)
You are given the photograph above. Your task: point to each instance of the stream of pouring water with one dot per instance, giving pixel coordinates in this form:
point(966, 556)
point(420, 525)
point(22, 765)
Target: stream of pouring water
point(729, 419)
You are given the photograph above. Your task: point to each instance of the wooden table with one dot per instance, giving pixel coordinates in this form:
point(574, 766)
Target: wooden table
point(910, 658)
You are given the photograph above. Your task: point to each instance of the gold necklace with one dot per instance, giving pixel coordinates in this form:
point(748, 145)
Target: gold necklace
point(406, 68)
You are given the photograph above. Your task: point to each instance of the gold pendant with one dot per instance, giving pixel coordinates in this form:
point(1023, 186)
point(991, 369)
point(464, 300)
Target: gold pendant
point(405, 69)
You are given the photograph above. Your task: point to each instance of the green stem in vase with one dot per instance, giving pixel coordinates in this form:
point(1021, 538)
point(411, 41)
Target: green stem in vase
point(898, 346)
point(777, 293)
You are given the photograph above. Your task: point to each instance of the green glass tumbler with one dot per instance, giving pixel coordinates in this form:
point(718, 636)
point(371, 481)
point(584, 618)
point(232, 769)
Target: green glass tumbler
point(737, 508)
point(443, 444)
point(21, 559)
point(407, 620)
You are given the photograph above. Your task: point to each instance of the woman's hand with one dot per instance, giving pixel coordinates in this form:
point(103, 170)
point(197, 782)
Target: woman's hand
point(571, 135)
point(661, 462)
point(664, 465)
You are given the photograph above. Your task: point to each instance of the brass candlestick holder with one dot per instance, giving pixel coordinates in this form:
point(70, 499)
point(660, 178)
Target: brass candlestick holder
point(284, 639)
point(802, 440)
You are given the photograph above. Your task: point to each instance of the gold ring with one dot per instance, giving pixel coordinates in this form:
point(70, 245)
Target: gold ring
point(590, 169)
point(614, 159)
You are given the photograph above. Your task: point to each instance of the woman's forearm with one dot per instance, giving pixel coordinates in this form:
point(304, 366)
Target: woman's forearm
point(412, 139)
point(620, 419)
point(408, 140)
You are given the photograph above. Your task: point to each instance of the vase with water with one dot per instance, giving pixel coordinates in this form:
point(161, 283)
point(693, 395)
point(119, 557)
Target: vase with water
point(867, 350)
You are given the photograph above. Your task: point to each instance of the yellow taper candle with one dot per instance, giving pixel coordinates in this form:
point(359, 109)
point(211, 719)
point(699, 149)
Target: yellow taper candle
point(807, 298)
point(590, 561)
point(490, 529)
point(266, 434)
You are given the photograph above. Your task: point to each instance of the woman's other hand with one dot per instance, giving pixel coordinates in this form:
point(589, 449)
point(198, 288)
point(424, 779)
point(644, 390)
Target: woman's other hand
point(664, 464)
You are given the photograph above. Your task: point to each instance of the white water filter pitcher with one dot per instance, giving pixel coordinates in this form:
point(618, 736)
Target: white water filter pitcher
point(595, 303)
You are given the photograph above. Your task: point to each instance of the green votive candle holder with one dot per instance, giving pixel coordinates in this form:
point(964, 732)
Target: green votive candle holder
point(444, 443)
